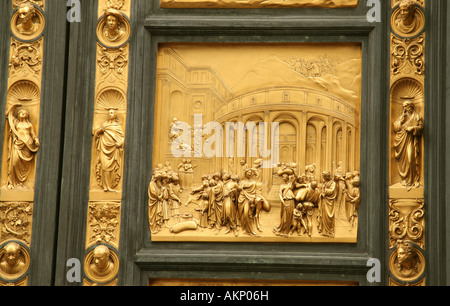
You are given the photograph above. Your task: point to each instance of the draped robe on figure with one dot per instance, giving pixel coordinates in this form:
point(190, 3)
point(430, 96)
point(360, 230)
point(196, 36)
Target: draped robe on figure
point(326, 215)
point(154, 206)
point(286, 209)
point(229, 203)
point(109, 145)
point(407, 148)
point(22, 150)
point(246, 205)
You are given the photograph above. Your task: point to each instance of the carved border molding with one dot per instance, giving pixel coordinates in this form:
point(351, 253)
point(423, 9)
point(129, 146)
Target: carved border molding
point(257, 3)
point(407, 206)
point(18, 170)
point(101, 263)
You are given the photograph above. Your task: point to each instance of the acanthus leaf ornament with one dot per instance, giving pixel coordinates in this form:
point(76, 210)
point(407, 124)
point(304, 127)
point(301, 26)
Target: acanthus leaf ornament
point(15, 220)
point(103, 222)
point(407, 55)
point(25, 55)
point(112, 63)
point(406, 221)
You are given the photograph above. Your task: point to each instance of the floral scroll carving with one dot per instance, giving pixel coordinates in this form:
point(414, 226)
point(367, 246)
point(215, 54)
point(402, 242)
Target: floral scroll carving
point(406, 223)
point(15, 220)
point(25, 55)
point(39, 3)
point(112, 63)
point(103, 222)
point(407, 55)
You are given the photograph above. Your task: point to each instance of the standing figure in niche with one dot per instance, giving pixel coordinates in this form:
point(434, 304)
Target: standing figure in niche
point(23, 145)
point(408, 132)
point(326, 217)
point(109, 140)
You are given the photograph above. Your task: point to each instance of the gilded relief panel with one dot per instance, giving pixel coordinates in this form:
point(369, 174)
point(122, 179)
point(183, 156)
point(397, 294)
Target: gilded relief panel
point(407, 129)
point(108, 140)
point(256, 142)
point(257, 3)
point(21, 142)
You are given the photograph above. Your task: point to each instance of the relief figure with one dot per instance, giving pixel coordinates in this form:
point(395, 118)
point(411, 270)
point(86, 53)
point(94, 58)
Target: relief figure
point(408, 261)
point(408, 130)
point(26, 23)
point(307, 198)
point(11, 262)
point(328, 197)
point(155, 196)
point(352, 198)
point(408, 21)
point(251, 202)
point(230, 195)
point(287, 199)
point(109, 141)
point(23, 145)
point(101, 266)
point(114, 29)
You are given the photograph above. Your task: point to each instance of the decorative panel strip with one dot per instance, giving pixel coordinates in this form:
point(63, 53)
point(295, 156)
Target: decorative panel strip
point(257, 3)
point(406, 179)
point(21, 139)
point(101, 263)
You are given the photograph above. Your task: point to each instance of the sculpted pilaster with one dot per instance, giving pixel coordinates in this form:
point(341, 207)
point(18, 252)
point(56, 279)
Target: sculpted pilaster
point(21, 142)
point(108, 143)
point(407, 207)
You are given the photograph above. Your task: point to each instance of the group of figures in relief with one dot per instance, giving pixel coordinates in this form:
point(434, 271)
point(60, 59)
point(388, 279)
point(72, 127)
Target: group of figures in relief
point(302, 198)
point(223, 200)
point(235, 203)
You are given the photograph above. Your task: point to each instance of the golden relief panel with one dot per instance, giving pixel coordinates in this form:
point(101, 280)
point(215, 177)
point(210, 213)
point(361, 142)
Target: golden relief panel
point(257, 3)
point(406, 176)
point(21, 139)
point(108, 141)
point(256, 142)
